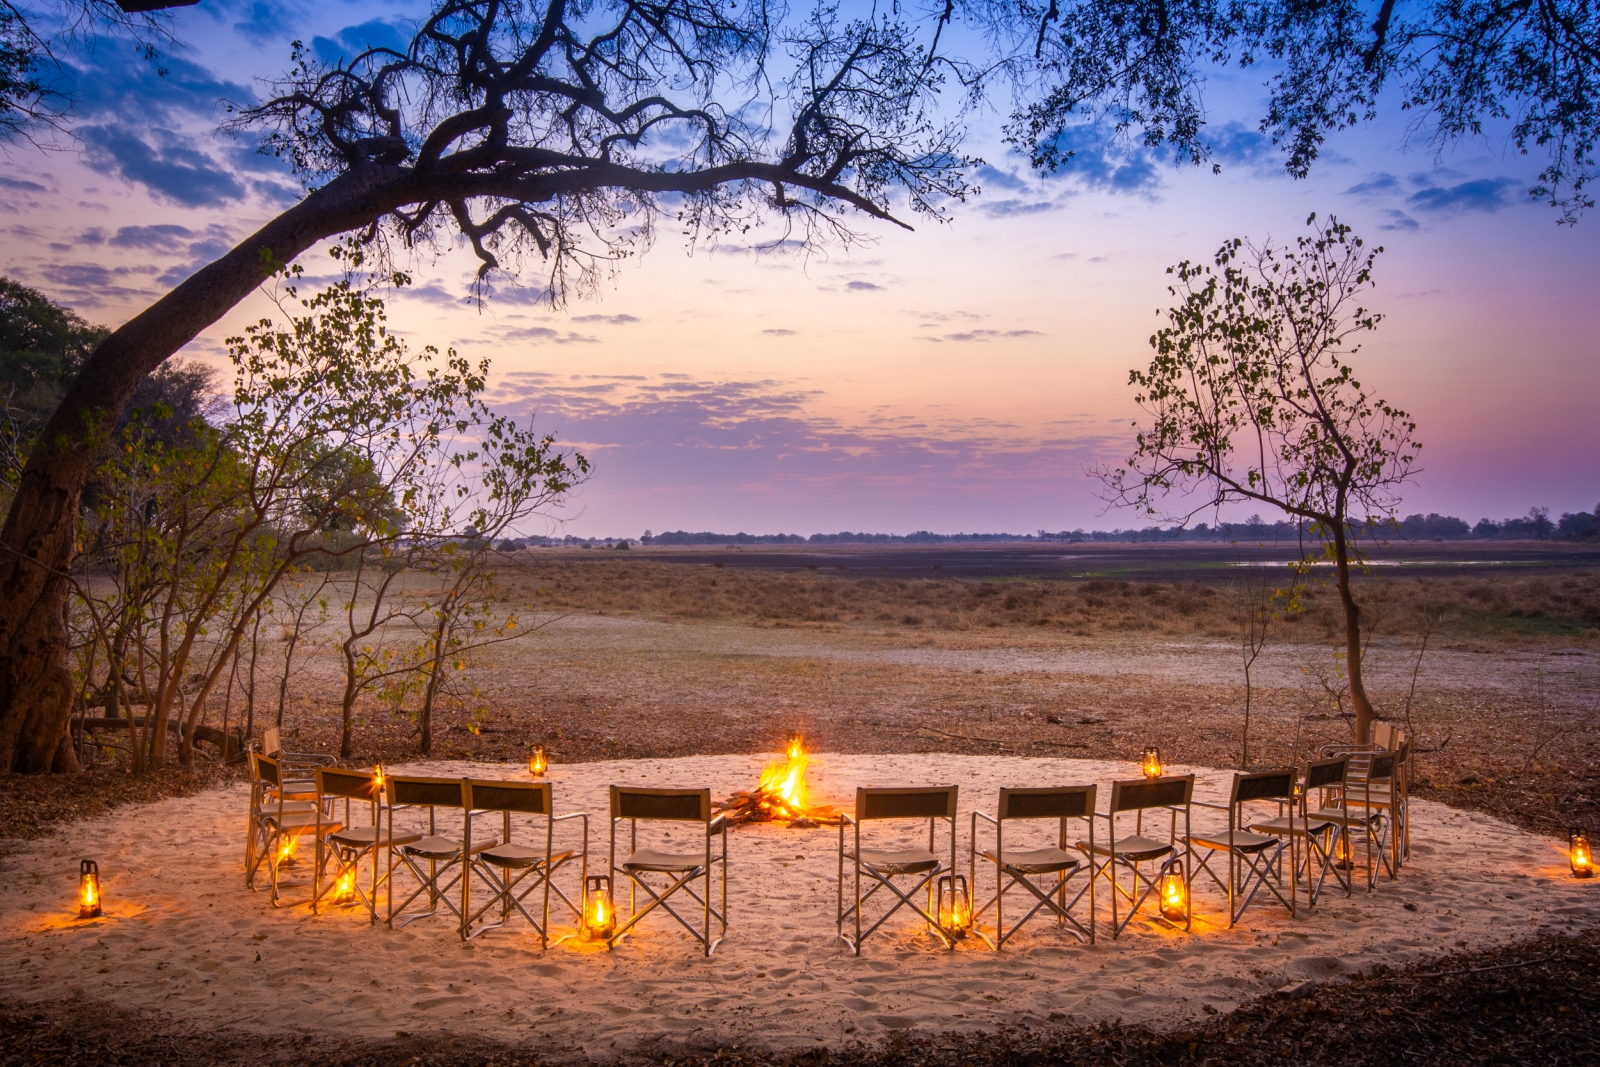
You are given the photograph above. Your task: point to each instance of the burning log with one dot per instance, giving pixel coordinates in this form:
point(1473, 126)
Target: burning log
point(780, 797)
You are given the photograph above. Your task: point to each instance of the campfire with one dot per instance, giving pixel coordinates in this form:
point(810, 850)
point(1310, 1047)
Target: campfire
point(781, 795)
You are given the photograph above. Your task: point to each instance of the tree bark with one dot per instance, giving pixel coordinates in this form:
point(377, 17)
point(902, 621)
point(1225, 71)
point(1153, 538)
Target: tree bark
point(1352, 636)
point(37, 540)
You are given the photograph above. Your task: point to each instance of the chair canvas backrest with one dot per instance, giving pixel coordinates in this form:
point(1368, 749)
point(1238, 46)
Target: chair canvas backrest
point(1140, 793)
point(916, 802)
point(270, 743)
point(525, 798)
point(1382, 767)
point(267, 768)
point(1263, 785)
point(1058, 802)
point(352, 785)
point(1327, 773)
point(669, 805)
point(1382, 735)
point(426, 792)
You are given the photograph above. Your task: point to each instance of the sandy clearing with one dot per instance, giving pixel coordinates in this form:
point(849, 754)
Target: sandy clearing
point(185, 938)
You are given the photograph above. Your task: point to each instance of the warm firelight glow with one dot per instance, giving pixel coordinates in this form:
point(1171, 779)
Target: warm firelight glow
point(537, 762)
point(783, 785)
point(286, 847)
point(599, 919)
point(1581, 855)
point(377, 779)
point(1150, 762)
point(1174, 897)
point(345, 890)
point(89, 890)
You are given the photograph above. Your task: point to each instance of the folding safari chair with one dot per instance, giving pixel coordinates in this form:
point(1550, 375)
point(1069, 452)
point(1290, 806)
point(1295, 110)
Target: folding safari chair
point(514, 871)
point(284, 820)
point(1367, 804)
point(435, 860)
point(882, 867)
point(681, 869)
point(1321, 830)
point(345, 848)
point(1255, 858)
point(1019, 867)
point(277, 799)
point(1172, 795)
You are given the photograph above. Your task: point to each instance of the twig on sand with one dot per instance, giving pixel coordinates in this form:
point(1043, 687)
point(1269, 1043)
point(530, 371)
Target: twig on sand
point(1465, 970)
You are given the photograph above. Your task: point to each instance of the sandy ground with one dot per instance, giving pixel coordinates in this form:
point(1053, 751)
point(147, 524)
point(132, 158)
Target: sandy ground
point(184, 938)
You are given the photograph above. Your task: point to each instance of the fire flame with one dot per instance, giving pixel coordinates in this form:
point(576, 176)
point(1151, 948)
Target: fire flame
point(89, 894)
point(957, 915)
point(597, 922)
point(346, 889)
point(783, 785)
point(286, 849)
point(1582, 862)
point(1172, 897)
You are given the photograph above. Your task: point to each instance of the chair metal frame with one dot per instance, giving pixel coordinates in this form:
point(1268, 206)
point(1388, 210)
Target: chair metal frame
point(1173, 793)
point(1059, 803)
point(287, 819)
point(446, 857)
point(636, 803)
point(514, 871)
point(876, 803)
point(1376, 805)
point(345, 848)
point(298, 799)
point(1254, 857)
point(1321, 832)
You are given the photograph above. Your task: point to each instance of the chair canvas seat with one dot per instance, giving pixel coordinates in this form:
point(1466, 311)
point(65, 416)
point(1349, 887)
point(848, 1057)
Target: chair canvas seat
point(1298, 827)
point(1242, 841)
point(907, 861)
point(436, 847)
point(368, 836)
point(519, 856)
point(662, 862)
point(303, 823)
point(1339, 818)
point(1033, 861)
point(1134, 849)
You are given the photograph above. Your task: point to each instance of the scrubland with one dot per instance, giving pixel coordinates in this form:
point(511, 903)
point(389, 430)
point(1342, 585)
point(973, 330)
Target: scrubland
point(1496, 672)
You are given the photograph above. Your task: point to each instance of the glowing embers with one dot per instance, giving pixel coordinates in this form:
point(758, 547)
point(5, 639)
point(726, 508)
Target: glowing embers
point(599, 914)
point(89, 899)
point(1580, 855)
point(781, 795)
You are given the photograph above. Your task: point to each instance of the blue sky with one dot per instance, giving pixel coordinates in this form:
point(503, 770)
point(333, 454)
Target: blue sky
point(964, 376)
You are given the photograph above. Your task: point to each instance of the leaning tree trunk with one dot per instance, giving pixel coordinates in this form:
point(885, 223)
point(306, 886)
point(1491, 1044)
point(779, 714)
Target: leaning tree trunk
point(36, 542)
point(1352, 637)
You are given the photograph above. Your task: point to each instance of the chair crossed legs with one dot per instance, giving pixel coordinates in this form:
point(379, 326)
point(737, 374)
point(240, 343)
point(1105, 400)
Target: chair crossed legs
point(1321, 831)
point(692, 809)
point(881, 867)
point(1254, 857)
point(285, 821)
point(1118, 854)
point(274, 803)
point(340, 853)
point(1018, 868)
point(515, 871)
point(436, 861)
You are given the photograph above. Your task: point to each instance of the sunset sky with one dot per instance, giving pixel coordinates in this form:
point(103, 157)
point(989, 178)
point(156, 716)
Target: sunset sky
point(961, 377)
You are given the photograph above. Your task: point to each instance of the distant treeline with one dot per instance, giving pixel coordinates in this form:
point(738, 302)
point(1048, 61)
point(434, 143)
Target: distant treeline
point(1537, 525)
